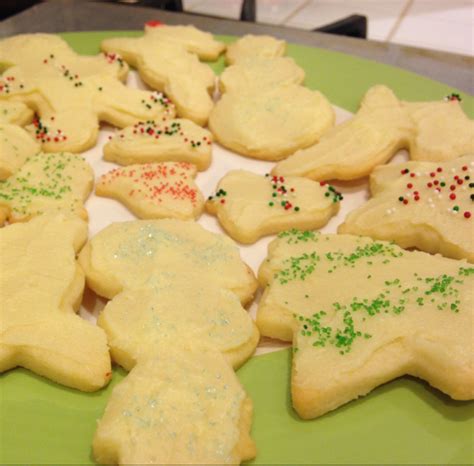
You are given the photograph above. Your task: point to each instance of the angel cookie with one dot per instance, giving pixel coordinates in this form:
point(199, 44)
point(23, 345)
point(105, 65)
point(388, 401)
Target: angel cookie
point(155, 190)
point(16, 146)
point(250, 206)
point(176, 321)
point(250, 46)
point(71, 93)
point(361, 313)
point(191, 38)
point(40, 289)
point(46, 183)
point(169, 68)
point(176, 140)
point(431, 131)
point(260, 73)
point(420, 204)
point(15, 113)
point(271, 123)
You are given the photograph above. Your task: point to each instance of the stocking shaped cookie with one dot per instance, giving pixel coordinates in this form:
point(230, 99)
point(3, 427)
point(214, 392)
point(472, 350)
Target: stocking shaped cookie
point(71, 93)
point(433, 131)
point(420, 204)
point(270, 123)
point(155, 190)
point(176, 322)
point(169, 68)
point(40, 288)
point(249, 206)
point(361, 313)
point(15, 113)
point(191, 38)
point(261, 73)
point(16, 146)
point(177, 140)
point(251, 46)
point(46, 183)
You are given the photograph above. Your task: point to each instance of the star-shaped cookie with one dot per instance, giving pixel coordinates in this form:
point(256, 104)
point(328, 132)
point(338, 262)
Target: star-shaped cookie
point(176, 140)
point(16, 146)
point(361, 313)
point(176, 321)
point(46, 183)
point(40, 289)
point(72, 93)
point(250, 206)
point(431, 131)
point(168, 67)
point(420, 204)
point(155, 190)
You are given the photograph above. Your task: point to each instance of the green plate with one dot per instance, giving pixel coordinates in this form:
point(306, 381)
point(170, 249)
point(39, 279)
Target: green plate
point(401, 422)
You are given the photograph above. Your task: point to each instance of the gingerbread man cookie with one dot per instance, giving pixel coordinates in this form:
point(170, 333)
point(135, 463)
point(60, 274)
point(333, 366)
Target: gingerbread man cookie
point(46, 183)
point(72, 93)
point(176, 140)
point(420, 204)
point(40, 289)
point(361, 313)
point(155, 190)
point(250, 206)
point(168, 67)
point(431, 131)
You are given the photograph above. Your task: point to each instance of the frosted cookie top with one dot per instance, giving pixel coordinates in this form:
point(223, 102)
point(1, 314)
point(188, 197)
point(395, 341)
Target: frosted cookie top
point(250, 46)
point(133, 254)
point(361, 312)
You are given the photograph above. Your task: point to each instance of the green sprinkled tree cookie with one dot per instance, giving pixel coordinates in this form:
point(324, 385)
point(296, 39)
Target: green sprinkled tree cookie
point(168, 67)
point(431, 131)
point(46, 183)
point(175, 320)
point(420, 204)
point(71, 93)
point(250, 206)
point(361, 313)
point(16, 146)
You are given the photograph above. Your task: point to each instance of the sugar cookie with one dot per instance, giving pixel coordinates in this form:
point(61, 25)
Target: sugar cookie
point(168, 67)
point(260, 73)
point(250, 46)
point(434, 131)
point(250, 206)
point(361, 313)
point(155, 190)
point(16, 146)
point(193, 39)
point(175, 311)
point(72, 93)
point(185, 407)
point(40, 287)
point(420, 204)
point(152, 141)
point(270, 124)
point(46, 183)
point(129, 254)
point(15, 113)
